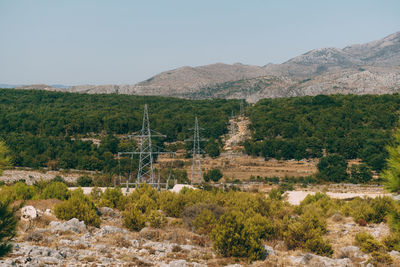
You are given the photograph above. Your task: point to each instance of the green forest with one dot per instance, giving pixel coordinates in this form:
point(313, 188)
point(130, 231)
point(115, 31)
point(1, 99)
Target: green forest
point(44, 129)
point(303, 127)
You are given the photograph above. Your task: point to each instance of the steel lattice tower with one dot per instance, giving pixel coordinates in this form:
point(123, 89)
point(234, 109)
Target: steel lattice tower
point(196, 161)
point(146, 169)
point(145, 172)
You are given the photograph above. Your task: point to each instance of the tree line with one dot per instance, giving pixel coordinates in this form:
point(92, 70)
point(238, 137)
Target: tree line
point(306, 127)
point(45, 129)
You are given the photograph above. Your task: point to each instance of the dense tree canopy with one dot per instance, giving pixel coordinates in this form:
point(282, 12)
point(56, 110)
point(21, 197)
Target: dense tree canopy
point(301, 127)
point(49, 128)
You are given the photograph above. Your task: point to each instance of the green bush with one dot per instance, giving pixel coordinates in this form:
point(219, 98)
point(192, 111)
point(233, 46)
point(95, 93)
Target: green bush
point(367, 242)
point(213, 175)
point(133, 218)
point(57, 190)
point(190, 213)
point(369, 210)
point(78, 206)
point(261, 226)
point(113, 198)
point(319, 200)
point(394, 218)
point(8, 224)
point(146, 204)
point(156, 219)
point(306, 232)
point(392, 241)
point(319, 246)
point(379, 258)
point(204, 222)
point(172, 203)
point(84, 181)
point(23, 191)
point(332, 168)
point(231, 238)
point(96, 194)
point(360, 174)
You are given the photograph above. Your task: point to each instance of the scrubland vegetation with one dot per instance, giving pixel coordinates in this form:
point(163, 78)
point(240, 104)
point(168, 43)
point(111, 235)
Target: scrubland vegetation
point(237, 223)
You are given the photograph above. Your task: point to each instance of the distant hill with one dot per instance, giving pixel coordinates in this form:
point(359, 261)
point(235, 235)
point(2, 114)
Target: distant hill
point(371, 68)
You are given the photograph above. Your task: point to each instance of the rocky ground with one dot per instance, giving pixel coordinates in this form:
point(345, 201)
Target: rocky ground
point(45, 241)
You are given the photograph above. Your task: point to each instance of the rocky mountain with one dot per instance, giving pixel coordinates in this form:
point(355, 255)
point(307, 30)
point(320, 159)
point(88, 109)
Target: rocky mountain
point(371, 68)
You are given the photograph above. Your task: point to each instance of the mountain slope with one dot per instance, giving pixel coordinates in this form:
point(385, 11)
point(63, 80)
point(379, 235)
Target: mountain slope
point(373, 67)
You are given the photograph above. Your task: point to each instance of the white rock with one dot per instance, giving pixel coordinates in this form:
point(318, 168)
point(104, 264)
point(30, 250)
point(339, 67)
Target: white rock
point(73, 225)
point(178, 263)
point(178, 187)
point(29, 213)
point(394, 254)
point(268, 250)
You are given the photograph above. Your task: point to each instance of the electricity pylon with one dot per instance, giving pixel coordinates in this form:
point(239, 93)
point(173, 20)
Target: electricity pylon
point(145, 172)
point(197, 174)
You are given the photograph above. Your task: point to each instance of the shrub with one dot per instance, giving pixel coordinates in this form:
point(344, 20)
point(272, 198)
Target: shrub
point(172, 203)
point(204, 222)
point(332, 168)
point(213, 175)
point(392, 241)
point(23, 191)
point(360, 174)
point(275, 194)
point(96, 194)
point(231, 238)
point(156, 219)
point(319, 200)
point(319, 246)
point(113, 198)
point(146, 204)
point(394, 218)
point(370, 210)
point(8, 224)
point(84, 181)
point(133, 218)
point(78, 206)
point(261, 226)
point(378, 258)
point(306, 232)
point(57, 190)
point(367, 242)
point(190, 213)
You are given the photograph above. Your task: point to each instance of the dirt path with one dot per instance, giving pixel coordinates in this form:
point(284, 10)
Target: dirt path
point(295, 197)
point(242, 125)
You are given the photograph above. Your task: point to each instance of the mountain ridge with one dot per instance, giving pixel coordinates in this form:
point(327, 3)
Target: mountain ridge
point(372, 67)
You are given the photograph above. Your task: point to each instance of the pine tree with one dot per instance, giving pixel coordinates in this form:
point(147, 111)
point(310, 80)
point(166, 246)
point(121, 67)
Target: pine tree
point(391, 174)
point(4, 157)
point(8, 223)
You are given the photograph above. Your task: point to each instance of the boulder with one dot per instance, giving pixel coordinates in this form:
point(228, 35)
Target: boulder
point(352, 252)
point(319, 261)
point(178, 263)
point(106, 211)
point(268, 251)
point(73, 225)
point(29, 213)
point(112, 230)
point(394, 254)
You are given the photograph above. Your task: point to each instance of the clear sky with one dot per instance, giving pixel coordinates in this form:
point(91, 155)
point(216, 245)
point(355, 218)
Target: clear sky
point(119, 41)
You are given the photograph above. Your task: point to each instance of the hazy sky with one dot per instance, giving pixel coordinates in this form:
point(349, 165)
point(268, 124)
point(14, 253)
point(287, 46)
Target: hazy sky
point(115, 41)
